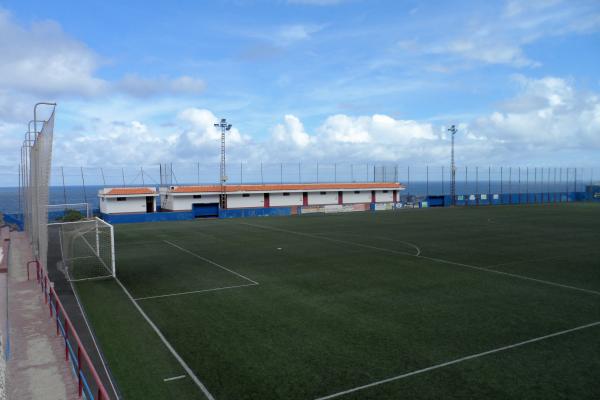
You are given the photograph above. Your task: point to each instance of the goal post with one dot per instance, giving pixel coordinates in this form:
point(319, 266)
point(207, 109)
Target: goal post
point(88, 249)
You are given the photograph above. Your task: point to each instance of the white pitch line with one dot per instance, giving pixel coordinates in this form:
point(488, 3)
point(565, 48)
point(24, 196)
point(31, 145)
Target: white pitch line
point(194, 292)
point(173, 378)
point(330, 239)
point(210, 261)
point(414, 246)
point(458, 360)
point(95, 278)
point(523, 277)
point(167, 344)
point(440, 260)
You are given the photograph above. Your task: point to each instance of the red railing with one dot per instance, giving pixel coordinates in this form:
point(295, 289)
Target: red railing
point(74, 351)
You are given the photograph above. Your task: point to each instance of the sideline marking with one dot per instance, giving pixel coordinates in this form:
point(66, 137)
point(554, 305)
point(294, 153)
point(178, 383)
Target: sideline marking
point(459, 360)
point(210, 261)
point(167, 344)
point(162, 337)
point(173, 378)
point(440, 260)
point(194, 291)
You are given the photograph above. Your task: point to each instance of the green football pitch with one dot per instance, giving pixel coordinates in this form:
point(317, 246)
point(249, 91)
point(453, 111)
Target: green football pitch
point(486, 303)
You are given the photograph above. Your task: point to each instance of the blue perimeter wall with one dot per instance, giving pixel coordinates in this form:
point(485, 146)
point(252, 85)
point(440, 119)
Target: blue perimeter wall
point(592, 194)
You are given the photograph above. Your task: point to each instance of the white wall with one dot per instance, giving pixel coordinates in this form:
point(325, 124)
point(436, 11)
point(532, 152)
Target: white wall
point(131, 205)
point(363, 196)
point(239, 201)
point(278, 199)
point(381, 197)
point(315, 198)
point(183, 202)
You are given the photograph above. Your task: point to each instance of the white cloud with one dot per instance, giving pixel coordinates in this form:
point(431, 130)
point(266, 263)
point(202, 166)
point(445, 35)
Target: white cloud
point(547, 118)
point(291, 133)
point(44, 60)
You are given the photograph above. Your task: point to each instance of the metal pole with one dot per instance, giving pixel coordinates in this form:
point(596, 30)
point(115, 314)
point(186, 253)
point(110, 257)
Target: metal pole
point(489, 181)
point(527, 186)
point(123, 175)
point(351, 172)
point(83, 186)
point(427, 181)
point(408, 183)
point(335, 172)
point(501, 182)
point(535, 184)
point(142, 173)
point(452, 130)
point(281, 172)
point(317, 172)
point(241, 173)
point(510, 184)
point(102, 173)
point(198, 173)
point(519, 185)
point(554, 187)
point(476, 180)
point(443, 189)
point(466, 190)
point(62, 172)
point(262, 179)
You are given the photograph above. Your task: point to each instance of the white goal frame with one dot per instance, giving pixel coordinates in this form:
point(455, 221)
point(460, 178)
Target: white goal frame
point(96, 246)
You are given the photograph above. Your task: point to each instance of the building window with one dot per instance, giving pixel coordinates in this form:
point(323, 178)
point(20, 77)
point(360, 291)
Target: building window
point(357, 192)
point(286, 194)
point(197, 196)
point(385, 191)
point(121, 198)
point(246, 195)
point(323, 193)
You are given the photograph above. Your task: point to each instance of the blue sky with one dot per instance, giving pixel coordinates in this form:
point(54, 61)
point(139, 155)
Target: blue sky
point(305, 80)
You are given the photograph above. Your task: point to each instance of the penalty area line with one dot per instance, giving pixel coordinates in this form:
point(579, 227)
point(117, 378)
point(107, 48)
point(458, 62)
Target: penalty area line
point(173, 378)
point(459, 360)
point(210, 261)
point(194, 292)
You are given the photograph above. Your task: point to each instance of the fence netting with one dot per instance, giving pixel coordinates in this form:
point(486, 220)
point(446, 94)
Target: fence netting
point(36, 179)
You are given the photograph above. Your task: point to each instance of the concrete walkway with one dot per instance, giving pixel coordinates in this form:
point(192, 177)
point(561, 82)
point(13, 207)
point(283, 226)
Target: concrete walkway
point(37, 368)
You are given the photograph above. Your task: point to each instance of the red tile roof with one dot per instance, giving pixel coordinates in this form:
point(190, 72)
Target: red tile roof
point(283, 187)
point(126, 191)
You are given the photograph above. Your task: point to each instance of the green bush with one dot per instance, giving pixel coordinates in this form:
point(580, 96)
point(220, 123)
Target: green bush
point(71, 216)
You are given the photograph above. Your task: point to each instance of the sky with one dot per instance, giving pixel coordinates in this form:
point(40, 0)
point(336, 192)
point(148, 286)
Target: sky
point(305, 80)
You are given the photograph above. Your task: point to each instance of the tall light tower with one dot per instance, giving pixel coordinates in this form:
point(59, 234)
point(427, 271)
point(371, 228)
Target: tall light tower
point(224, 128)
point(452, 130)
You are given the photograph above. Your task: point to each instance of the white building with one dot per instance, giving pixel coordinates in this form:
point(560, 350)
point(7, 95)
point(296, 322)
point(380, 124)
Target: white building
point(127, 200)
point(186, 198)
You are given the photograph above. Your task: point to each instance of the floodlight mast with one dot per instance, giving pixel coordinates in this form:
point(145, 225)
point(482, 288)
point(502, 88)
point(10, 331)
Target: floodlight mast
point(452, 130)
point(224, 128)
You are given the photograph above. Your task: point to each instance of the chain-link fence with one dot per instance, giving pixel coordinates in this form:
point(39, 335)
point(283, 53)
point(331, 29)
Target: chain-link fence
point(35, 178)
point(81, 184)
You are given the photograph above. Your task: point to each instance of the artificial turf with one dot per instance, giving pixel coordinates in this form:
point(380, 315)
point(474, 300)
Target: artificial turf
point(344, 300)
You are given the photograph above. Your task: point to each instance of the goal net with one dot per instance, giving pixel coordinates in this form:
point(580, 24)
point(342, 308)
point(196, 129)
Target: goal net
point(69, 212)
point(87, 249)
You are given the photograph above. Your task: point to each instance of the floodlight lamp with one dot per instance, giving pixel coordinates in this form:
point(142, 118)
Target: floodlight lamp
point(229, 127)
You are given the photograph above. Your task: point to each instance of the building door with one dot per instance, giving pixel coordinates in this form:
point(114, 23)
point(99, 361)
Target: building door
point(149, 204)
